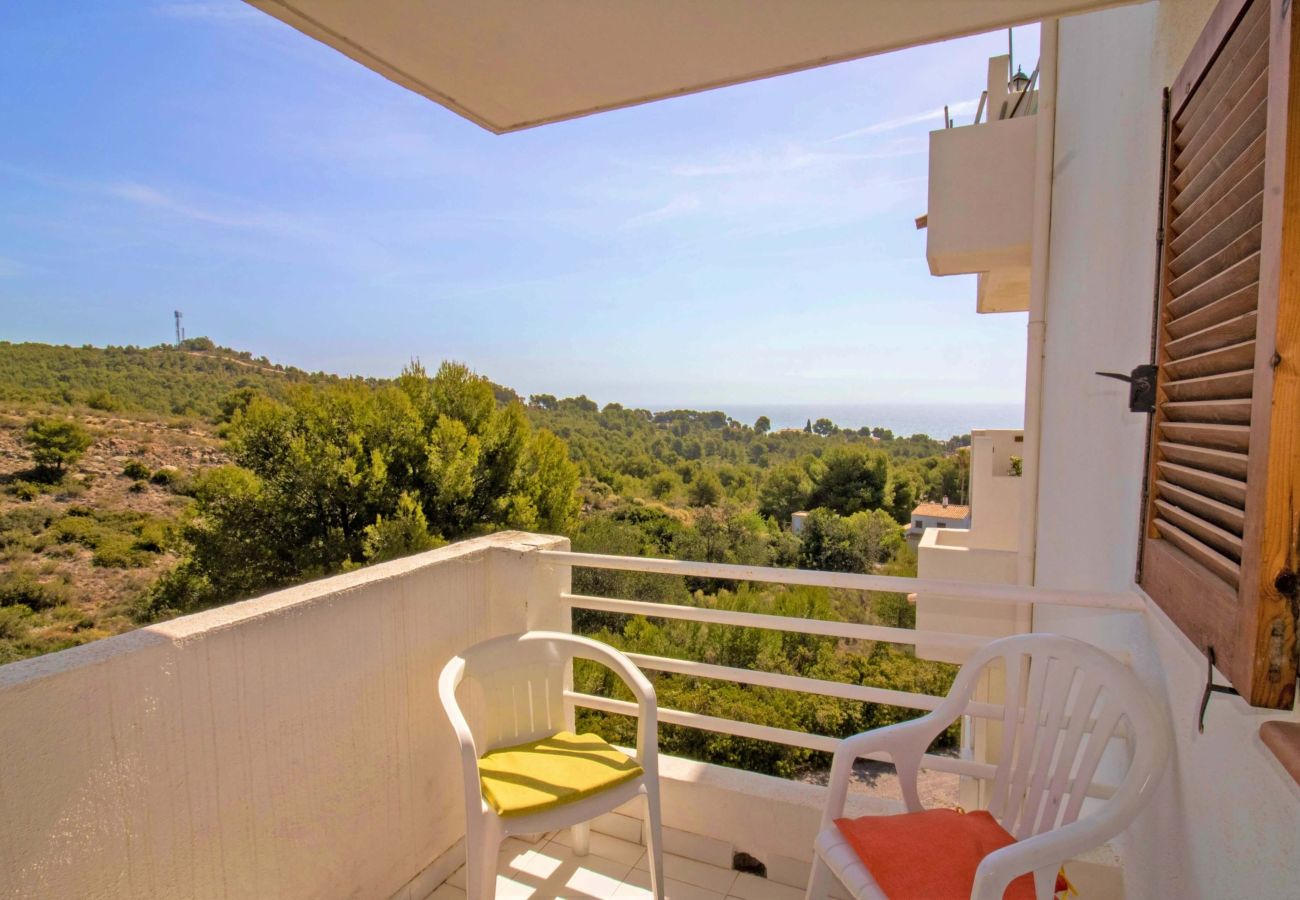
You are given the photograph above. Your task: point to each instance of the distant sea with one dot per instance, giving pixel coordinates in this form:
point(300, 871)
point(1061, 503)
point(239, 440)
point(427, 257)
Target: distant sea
point(938, 420)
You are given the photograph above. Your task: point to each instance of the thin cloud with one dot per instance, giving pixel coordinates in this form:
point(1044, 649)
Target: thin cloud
point(681, 205)
point(219, 11)
point(954, 109)
point(144, 195)
point(792, 159)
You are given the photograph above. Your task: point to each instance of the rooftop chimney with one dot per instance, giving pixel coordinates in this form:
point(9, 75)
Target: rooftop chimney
point(945, 501)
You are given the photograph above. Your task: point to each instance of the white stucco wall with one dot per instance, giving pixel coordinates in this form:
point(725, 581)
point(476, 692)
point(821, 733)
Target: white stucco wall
point(994, 493)
point(1227, 822)
point(289, 746)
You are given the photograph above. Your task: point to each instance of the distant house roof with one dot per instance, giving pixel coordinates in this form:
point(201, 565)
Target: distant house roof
point(939, 511)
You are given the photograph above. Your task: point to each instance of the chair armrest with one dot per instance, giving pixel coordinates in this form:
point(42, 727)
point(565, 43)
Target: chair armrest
point(1045, 852)
point(905, 743)
point(647, 730)
point(448, 681)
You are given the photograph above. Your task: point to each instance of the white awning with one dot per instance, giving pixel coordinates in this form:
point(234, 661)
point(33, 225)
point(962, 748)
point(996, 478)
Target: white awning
point(513, 64)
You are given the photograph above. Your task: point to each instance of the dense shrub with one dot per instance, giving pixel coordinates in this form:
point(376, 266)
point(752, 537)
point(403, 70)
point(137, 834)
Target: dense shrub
point(19, 587)
point(21, 525)
point(135, 470)
point(119, 552)
point(103, 401)
point(166, 475)
point(78, 529)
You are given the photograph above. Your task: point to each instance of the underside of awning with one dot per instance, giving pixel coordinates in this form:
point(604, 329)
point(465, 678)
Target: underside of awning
point(513, 64)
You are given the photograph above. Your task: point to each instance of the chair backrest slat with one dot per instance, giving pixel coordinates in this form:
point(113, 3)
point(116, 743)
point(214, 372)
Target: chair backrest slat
point(1107, 719)
point(1061, 682)
point(1063, 702)
point(1078, 721)
point(523, 693)
point(1027, 737)
point(1013, 688)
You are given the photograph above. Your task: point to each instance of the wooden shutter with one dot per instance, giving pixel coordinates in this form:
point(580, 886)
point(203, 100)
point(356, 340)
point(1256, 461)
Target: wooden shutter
point(1222, 522)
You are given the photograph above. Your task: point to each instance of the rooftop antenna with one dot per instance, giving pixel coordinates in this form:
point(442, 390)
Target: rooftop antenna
point(180, 332)
point(1011, 52)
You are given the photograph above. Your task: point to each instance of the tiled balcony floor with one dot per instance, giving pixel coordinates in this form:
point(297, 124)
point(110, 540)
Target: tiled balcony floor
point(613, 870)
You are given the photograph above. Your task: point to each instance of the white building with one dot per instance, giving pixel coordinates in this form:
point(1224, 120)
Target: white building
point(985, 551)
point(290, 746)
point(935, 515)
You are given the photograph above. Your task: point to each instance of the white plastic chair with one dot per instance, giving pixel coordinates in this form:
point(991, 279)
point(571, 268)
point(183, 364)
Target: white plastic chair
point(1064, 701)
point(520, 681)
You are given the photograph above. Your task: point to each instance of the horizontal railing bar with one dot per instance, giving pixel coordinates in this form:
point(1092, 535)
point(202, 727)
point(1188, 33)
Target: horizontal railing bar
point(711, 723)
point(781, 681)
point(1003, 593)
point(848, 630)
point(792, 738)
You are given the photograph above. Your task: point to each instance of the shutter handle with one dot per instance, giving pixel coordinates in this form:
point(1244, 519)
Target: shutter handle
point(1141, 387)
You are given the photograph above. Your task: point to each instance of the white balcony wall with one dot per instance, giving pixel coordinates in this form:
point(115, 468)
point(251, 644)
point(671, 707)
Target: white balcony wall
point(981, 194)
point(1002, 290)
point(1227, 823)
point(995, 493)
point(288, 746)
point(985, 553)
point(947, 555)
point(293, 746)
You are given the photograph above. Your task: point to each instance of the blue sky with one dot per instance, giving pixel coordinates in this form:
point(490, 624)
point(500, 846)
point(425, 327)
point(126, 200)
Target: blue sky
point(750, 244)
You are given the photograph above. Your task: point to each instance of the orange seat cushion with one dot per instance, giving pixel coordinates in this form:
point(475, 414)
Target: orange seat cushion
point(930, 855)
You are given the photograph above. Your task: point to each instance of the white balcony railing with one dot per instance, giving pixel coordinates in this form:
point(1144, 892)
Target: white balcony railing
point(843, 630)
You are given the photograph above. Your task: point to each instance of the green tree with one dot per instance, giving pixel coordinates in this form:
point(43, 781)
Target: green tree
point(762, 425)
point(784, 491)
point(337, 476)
point(902, 497)
point(662, 485)
point(236, 401)
point(580, 403)
point(402, 534)
point(824, 427)
point(55, 444)
point(855, 543)
point(853, 479)
point(705, 489)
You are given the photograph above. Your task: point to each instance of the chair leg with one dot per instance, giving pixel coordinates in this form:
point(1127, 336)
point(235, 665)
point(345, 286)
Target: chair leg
point(1045, 882)
point(654, 843)
point(820, 880)
point(581, 834)
point(482, 845)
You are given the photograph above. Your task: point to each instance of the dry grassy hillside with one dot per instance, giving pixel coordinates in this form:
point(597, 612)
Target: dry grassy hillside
point(75, 557)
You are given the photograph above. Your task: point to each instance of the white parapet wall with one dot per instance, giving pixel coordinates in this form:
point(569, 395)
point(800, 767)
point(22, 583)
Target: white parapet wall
point(286, 746)
point(985, 553)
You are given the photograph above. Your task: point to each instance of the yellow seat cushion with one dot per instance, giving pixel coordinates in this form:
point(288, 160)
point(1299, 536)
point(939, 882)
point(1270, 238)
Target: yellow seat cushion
point(550, 772)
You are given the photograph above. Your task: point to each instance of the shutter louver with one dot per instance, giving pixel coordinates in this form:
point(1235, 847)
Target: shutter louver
point(1215, 474)
point(1211, 303)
